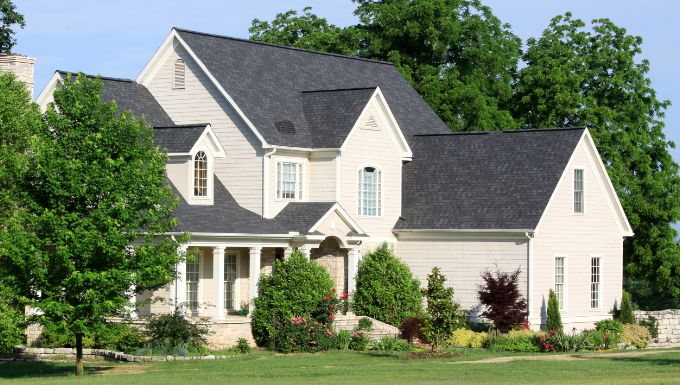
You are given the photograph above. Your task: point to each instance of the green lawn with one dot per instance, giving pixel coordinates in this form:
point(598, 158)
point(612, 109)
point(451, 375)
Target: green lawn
point(365, 368)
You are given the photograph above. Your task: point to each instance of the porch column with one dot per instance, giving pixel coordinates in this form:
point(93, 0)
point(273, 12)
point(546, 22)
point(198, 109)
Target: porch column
point(180, 283)
point(307, 251)
point(255, 255)
point(218, 278)
point(352, 268)
point(287, 252)
point(132, 303)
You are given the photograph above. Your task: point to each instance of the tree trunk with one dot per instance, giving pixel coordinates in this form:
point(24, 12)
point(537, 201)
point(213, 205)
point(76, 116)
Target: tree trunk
point(79, 354)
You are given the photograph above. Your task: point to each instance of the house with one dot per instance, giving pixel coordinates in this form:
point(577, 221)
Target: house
point(273, 148)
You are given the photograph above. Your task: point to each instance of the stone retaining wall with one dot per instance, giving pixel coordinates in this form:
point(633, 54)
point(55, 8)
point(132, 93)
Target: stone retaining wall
point(668, 323)
point(37, 354)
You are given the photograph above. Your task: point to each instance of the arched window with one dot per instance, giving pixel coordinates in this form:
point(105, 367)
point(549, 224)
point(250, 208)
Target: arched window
point(201, 174)
point(370, 192)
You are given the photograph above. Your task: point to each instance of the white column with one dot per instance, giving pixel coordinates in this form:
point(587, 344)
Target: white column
point(306, 250)
point(287, 252)
point(352, 268)
point(255, 256)
point(132, 304)
point(180, 283)
point(218, 278)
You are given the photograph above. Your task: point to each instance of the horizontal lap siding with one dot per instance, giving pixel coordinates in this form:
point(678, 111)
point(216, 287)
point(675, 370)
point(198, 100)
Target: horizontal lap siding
point(322, 180)
point(578, 237)
point(463, 261)
point(200, 102)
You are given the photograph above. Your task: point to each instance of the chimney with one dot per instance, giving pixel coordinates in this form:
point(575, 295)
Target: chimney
point(21, 66)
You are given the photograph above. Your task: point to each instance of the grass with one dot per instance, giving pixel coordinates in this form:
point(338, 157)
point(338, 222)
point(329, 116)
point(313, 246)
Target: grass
point(365, 368)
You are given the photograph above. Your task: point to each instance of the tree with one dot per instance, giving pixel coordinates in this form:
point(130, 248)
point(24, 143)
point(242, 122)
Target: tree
point(626, 316)
point(9, 17)
point(580, 77)
point(505, 306)
point(444, 313)
point(386, 289)
point(296, 287)
point(455, 53)
point(94, 187)
point(554, 320)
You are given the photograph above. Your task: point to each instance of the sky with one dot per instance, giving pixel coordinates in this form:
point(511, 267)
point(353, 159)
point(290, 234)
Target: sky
point(117, 38)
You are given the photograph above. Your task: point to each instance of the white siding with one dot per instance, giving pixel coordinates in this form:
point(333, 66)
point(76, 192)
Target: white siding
point(322, 179)
point(463, 260)
point(200, 102)
point(179, 172)
point(578, 237)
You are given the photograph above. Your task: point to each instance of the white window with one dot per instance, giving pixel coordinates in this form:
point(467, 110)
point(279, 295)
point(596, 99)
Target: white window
point(578, 191)
point(559, 280)
point(370, 192)
point(595, 282)
point(201, 174)
point(179, 75)
point(230, 275)
point(289, 180)
point(192, 273)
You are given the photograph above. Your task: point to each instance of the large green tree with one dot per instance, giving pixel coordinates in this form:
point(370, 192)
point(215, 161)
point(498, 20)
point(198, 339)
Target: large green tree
point(455, 53)
point(9, 17)
point(579, 76)
point(95, 201)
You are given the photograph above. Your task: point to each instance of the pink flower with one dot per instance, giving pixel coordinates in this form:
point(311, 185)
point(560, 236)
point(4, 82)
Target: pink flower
point(332, 317)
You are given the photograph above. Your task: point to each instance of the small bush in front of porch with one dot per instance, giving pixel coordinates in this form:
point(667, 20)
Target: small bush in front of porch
point(386, 289)
point(295, 288)
point(168, 332)
point(304, 334)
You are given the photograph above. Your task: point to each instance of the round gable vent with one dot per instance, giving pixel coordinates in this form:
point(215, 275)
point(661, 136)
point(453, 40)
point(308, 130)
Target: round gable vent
point(285, 127)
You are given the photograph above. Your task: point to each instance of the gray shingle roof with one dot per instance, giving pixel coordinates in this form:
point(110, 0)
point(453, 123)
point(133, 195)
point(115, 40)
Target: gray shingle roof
point(494, 180)
point(180, 138)
point(301, 216)
point(267, 82)
point(225, 216)
point(134, 97)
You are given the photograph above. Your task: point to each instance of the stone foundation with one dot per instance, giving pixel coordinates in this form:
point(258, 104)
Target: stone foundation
point(668, 323)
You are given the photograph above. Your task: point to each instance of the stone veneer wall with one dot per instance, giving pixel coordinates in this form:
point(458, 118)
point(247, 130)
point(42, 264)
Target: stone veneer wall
point(21, 66)
point(668, 323)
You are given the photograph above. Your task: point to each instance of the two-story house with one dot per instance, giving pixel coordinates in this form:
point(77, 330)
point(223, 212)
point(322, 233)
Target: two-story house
point(273, 148)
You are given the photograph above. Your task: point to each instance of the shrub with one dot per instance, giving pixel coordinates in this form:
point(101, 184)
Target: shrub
point(119, 337)
point(365, 324)
point(597, 339)
point(359, 341)
point(59, 335)
point(444, 314)
point(12, 322)
point(390, 344)
point(514, 341)
point(635, 335)
point(411, 329)
point(386, 289)
point(344, 338)
point(652, 325)
point(611, 332)
point(626, 316)
point(505, 307)
point(467, 338)
point(303, 334)
point(295, 288)
point(563, 342)
point(554, 321)
point(167, 332)
point(242, 346)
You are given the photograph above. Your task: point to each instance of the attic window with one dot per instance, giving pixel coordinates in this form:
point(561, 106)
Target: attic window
point(178, 79)
point(285, 127)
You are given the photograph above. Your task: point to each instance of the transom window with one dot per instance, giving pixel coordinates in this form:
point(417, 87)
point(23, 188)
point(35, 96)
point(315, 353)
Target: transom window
point(289, 180)
point(192, 284)
point(229, 281)
point(595, 282)
point(370, 192)
point(578, 191)
point(559, 280)
point(201, 174)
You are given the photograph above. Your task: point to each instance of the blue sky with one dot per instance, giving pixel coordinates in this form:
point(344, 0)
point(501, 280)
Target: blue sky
point(116, 38)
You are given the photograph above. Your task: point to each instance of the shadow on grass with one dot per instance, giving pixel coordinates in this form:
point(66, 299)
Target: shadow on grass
point(22, 369)
point(652, 359)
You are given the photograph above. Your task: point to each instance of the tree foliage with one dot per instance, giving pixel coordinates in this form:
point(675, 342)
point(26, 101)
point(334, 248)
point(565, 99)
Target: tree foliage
point(296, 287)
point(505, 306)
point(554, 319)
point(626, 316)
point(9, 17)
point(443, 313)
point(93, 187)
point(386, 289)
point(580, 77)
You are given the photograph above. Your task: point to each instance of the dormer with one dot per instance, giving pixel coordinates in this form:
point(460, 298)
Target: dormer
point(192, 150)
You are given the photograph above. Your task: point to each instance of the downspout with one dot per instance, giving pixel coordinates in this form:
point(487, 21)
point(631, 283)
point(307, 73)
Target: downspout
point(265, 181)
point(530, 275)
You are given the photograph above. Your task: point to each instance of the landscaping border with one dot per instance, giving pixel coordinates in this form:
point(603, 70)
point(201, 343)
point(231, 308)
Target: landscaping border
point(39, 354)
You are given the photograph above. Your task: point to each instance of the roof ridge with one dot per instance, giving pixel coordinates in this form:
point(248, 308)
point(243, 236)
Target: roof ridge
point(339, 89)
point(282, 46)
point(525, 130)
point(97, 76)
point(180, 126)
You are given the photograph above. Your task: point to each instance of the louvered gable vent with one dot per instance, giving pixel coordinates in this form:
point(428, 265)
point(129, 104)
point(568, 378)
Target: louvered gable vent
point(285, 127)
point(178, 79)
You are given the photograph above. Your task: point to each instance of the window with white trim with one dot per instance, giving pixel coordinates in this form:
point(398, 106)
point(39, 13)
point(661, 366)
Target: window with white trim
point(192, 273)
point(595, 282)
point(559, 280)
point(370, 192)
point(230, 276)
point(201, 174)
point(579, 204)
point(289, 180)
point(178, 79)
